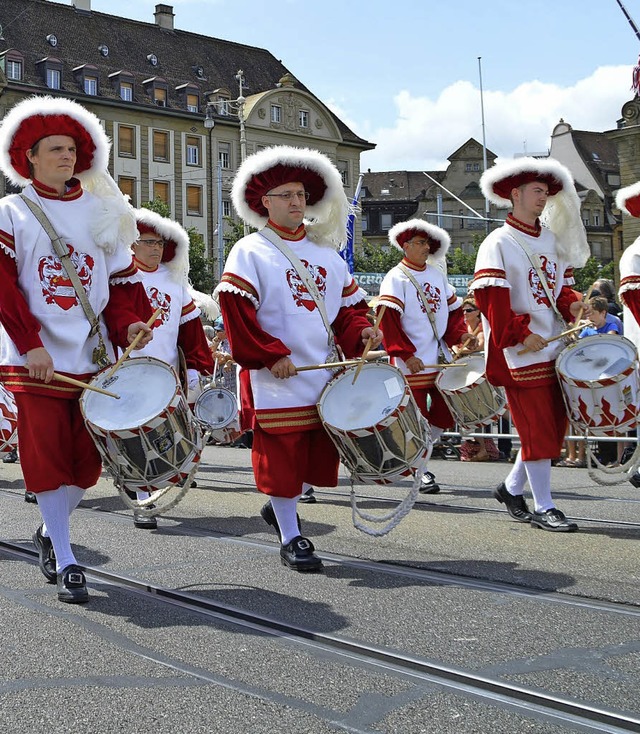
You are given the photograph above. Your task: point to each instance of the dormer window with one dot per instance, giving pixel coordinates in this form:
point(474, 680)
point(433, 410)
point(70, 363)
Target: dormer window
point(123, 85)
point(220, 99)
point(189, 95)
point(87, 77)
point(158, 89)
point(50, 70)
point(12, 63)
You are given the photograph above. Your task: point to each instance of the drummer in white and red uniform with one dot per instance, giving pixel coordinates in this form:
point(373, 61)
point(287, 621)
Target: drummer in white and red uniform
point(628, 201)
point(409, 337)
point(161, 253)
point(519, 314)
point(44, 143)
point(273, 325)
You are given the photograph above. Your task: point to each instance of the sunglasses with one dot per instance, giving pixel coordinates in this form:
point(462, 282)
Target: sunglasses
point(469, 310)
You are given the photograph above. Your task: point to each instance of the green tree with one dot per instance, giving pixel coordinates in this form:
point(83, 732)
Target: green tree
point(591, 271)
point(374, 258)
point(462, 263)
point(200, 266)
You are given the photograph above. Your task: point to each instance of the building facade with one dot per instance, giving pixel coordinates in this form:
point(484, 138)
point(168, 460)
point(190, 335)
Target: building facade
point(182, 109)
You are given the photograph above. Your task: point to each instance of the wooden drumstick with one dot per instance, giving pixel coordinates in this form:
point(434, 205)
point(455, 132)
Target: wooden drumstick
point(369, 343)
point(558, 336)
point(327, 365)
point(133, 344)
point(83, 385)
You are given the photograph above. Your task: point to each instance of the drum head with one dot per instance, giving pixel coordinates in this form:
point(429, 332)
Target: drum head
point(377, 393)
point(456, 378)
point(145, 385)
point(596, 357)
point(216, 407)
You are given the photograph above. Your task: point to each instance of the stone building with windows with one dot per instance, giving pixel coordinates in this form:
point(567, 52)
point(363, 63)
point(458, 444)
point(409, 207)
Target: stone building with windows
point(182, 109)
point(392, 196)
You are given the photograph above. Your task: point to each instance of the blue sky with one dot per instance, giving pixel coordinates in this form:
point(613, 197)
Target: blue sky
point(404, 74)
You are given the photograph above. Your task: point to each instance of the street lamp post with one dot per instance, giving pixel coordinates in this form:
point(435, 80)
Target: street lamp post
point(209, 124)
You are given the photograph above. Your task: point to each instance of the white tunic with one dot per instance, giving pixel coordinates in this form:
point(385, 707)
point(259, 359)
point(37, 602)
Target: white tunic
point(502, 262)
point(630, 281)
point(256, 269)
point(49, 294)
point(399, 293)
point(177, 307)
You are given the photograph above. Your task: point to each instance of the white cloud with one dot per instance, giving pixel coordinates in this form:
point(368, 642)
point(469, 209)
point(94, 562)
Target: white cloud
point(427, 130)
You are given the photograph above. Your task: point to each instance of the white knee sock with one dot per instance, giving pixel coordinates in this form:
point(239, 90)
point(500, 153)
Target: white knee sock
point(306, 487)
point(54, 508)
point(517, 477)
point(285, 511)
point(74, 496)
point(143, 495)
point(539, 475)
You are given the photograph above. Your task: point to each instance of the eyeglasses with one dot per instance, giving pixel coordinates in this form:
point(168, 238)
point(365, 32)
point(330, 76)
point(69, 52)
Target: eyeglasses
point(469, 310)
point(290, 195)
point(152, 243)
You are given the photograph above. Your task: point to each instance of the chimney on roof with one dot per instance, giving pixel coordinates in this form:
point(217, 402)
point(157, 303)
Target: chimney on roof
point(164, 16)
point(82, 5)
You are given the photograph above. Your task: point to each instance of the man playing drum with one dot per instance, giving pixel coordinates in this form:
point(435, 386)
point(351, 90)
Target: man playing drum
point(43, 143)
point(282, 311)
point(522, 285)
point(161, 253)
point(419, 330)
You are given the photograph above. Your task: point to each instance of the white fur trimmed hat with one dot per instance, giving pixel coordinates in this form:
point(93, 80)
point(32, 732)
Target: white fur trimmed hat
point(499, 180)
point(38, 117)
point(327, 206)
point(440, 240)
point(628, 199)
point(176, 251)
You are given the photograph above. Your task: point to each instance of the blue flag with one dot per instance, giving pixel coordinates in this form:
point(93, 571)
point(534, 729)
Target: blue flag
point(347, 251)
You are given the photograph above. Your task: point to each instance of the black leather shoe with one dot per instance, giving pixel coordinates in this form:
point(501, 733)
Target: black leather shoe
point(428, 485)
point(31, 498)
point(269, 516)
point(553, 520)
point(11, 457)
point(516, 505)
point(299, 555)
point(635, 480)
point(143, 522)
point(308, 497)
point(46, 555)
point(72, 585)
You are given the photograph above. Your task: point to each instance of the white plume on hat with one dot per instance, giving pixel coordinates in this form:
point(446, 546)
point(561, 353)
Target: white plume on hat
point(168, 229)
point(561, 215)
point(205, 303)
point(431, 230)
point(325, 220)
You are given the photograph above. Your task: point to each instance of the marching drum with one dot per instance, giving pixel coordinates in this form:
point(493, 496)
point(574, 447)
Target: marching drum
point(8, 422)
point(375, 424)
point(472, 400)
point(216, 410)
point(599, 379)
point(148, 438)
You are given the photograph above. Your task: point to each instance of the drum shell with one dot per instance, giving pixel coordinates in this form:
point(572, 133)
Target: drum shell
point(471, 398)
point(602, 405)
point(144, 454)
point(396, 445)
point(222, 421)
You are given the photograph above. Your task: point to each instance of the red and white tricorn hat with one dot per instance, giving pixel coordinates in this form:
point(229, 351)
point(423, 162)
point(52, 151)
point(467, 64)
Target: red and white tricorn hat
point(38, 117)
point(327, 208)
point(628, 200)
point(176, 250)
point(439, 238)
point(561, 214)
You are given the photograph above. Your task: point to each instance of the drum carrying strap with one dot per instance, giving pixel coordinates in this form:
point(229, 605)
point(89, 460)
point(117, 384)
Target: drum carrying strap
point(334, 351)
point(444, 353)
point(535, 261)
point(99, 356)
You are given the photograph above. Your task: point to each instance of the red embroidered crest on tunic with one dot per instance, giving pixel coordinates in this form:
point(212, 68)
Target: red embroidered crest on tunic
point(56, 286)
point(301, 296)
point(549, 268)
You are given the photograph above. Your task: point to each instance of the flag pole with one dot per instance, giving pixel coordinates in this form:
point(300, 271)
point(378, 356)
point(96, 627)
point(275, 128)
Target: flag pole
point(347, 252)
point(484, 142)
